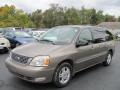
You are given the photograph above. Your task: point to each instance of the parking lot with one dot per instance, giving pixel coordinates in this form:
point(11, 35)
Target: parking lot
point(95, 78)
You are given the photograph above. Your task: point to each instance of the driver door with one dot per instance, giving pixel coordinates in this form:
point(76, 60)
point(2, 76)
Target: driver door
point(85, 50)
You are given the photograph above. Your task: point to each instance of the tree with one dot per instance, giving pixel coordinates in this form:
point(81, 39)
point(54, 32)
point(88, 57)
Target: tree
point(100, 17)
point(72, 16)
point(10, 16)
point(119, 19)
point(93, 17)
point(54, 16)
point(109, 18)
point(37, 18)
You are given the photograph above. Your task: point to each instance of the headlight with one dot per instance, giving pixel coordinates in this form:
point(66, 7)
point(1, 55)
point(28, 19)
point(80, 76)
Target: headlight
point(40, 61)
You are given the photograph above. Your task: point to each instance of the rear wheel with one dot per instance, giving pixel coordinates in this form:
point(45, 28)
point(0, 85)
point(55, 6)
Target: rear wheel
point(62, 75)
point(108, 60)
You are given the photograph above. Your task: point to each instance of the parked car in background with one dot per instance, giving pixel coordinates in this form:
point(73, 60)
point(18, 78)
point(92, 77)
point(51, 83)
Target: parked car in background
point(15, 28)
point(28, 30)
point(4, 44)
point(61, 52)
point(8, 29)
point(36, 34)
point(116, 33)
point(17, 38)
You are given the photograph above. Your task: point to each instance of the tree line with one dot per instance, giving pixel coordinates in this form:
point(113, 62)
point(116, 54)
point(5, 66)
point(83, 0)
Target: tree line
point(54, 16)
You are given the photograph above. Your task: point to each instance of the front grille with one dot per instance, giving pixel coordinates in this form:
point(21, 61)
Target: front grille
point(19, 58)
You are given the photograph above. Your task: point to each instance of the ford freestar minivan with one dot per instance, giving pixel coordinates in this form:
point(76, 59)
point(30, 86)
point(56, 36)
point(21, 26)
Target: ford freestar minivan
point(61, 52)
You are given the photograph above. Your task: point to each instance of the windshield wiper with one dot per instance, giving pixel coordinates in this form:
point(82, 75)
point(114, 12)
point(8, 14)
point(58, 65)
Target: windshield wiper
point(46, 40)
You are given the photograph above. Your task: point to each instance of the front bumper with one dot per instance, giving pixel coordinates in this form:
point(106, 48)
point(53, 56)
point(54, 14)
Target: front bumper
point(29, 73)
point(4, 47)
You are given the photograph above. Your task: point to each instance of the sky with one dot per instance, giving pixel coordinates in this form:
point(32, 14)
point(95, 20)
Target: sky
point(111, 7)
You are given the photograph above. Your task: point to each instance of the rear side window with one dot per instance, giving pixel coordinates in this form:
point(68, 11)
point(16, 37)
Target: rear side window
point(108, 36)
point(100, 36)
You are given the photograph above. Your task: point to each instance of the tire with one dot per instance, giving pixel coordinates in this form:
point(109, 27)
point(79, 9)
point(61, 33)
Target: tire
point(108, 60)
point(60, 76)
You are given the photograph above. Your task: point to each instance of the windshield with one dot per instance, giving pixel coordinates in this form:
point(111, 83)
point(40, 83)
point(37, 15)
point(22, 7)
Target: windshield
point(60, 35)
point(21, 34)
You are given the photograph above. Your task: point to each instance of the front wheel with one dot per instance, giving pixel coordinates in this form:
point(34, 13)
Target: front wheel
point(108, 60)
point(62, 75)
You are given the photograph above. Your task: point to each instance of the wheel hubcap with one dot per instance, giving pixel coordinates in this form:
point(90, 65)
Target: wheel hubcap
point(109, 58)
point(64, 75)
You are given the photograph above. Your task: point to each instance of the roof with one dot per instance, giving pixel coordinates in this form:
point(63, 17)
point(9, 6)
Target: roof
point(82, 26)
point(79, 26)
point(110, 25)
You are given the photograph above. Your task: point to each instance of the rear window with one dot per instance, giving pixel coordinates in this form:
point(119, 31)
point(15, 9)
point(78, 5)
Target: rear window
point(101, 36)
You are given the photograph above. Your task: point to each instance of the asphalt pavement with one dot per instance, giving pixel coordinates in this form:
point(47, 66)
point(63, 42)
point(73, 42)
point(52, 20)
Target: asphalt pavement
point(94, 78)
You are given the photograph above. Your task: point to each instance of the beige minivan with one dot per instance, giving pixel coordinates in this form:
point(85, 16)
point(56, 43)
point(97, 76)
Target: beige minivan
point(61, 52)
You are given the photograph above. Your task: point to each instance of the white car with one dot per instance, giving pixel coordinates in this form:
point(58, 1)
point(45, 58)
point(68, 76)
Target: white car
point(4, 44)
point(118, 35)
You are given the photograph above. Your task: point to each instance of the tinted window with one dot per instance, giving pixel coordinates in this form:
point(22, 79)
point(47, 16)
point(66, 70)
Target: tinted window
point(101, 36)
point(85, 37)
point(108, 36)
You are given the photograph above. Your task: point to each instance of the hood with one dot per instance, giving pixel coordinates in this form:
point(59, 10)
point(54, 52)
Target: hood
point(4, 42)
point(24, 40)
point(2, 39)
point(35, 49)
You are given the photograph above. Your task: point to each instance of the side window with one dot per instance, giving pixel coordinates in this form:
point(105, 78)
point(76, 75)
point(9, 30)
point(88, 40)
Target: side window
point(85, 37)
point(108, 36)
point(99, 36)
point(9, 34)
